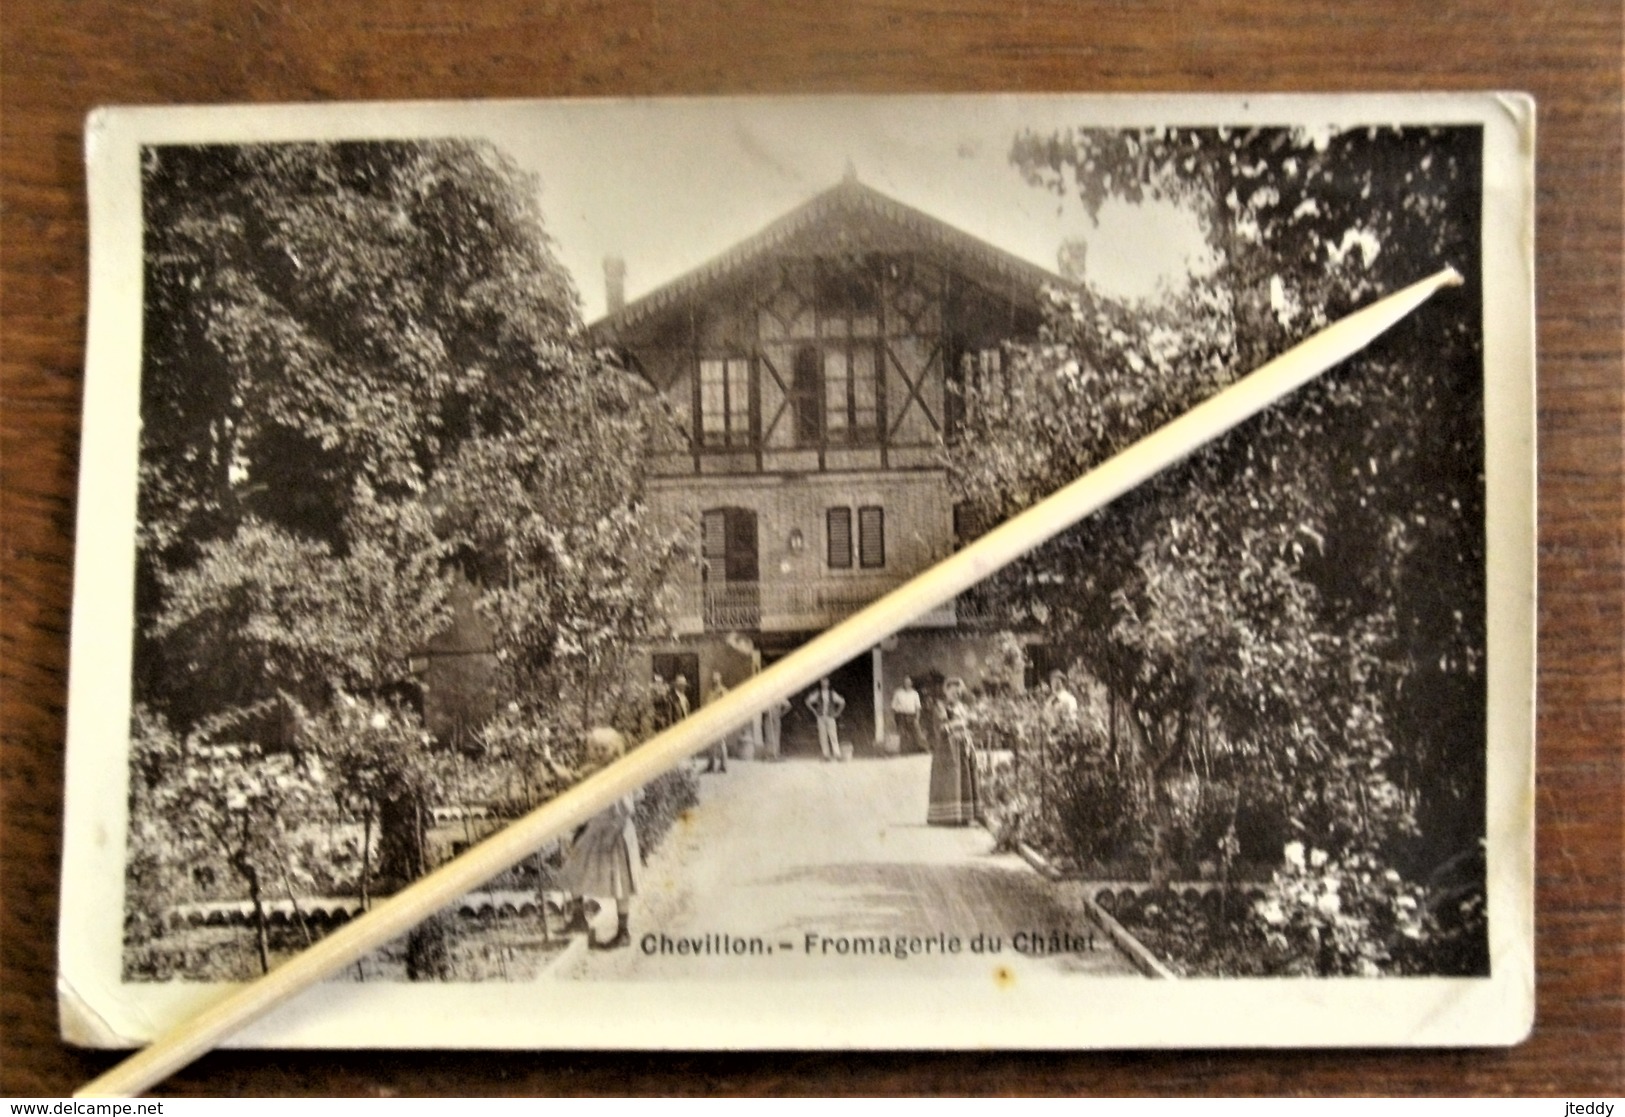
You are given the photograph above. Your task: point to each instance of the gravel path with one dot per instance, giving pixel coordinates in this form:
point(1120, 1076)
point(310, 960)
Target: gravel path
point(806, 869)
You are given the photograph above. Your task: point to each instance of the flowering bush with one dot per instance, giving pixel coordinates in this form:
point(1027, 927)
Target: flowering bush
point(1351, 916)
point(525, 759)
point(210, 801)
point(1322, 916)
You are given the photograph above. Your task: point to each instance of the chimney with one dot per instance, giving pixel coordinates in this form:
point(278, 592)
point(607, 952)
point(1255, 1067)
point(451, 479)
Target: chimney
point(614, 284)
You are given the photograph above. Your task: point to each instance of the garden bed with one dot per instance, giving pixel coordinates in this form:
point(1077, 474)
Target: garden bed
point(1195, 932)
point(480, 947)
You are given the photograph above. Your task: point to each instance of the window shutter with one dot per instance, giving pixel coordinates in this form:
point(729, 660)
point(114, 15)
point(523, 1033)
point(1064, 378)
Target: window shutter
point(871, 537)
point(968, 525)
point(714, 541)
point(839, 524)
point(739, 403)
point(713, 403)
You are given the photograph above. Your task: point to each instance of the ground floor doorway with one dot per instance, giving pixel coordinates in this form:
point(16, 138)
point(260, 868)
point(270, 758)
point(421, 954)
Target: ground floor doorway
point(853, 681)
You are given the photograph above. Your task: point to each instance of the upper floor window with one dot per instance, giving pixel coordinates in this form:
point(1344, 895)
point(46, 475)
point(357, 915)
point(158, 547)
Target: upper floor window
point(851, 412)
point(836, 393)
point(725, 411)
point(848, 300)
point(984, 388)
point(807, 397)
point(848, 324)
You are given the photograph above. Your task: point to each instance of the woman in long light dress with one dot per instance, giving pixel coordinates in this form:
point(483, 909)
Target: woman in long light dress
point(604, 860)
point(953, 792)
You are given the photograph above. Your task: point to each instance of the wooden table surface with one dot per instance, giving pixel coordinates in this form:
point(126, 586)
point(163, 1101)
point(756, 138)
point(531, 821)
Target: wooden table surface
point(57, 60)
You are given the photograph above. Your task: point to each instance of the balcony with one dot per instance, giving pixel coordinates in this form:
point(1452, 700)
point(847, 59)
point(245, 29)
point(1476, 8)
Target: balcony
point(783, 606)
point(732, 606)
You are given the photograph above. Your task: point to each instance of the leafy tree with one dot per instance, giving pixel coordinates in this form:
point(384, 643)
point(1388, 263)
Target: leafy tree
point(364, 387)
point(570, 564)
point(1300, 606)
point(374, 759)
point(324, 323)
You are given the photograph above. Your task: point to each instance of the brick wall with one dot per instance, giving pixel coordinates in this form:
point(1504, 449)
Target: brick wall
point(799, 589)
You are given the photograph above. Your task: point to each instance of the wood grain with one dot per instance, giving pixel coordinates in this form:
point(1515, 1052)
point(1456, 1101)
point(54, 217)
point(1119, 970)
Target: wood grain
point(61, 59)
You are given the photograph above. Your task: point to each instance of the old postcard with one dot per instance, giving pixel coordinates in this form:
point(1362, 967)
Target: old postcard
point(433, 453)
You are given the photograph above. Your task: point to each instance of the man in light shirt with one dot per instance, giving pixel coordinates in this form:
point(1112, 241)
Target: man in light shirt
point(905, 708)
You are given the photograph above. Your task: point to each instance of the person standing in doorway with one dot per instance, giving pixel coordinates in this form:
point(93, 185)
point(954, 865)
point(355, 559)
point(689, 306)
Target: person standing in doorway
point(717, 761)
point(827, 706)
point(657, 709)
point(773, 728)
point(905, 709)
point(679, 700)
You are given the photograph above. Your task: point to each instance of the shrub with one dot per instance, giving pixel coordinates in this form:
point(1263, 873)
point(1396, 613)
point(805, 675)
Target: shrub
point(663, 801)
point(1058, 790)
point(1097, 815)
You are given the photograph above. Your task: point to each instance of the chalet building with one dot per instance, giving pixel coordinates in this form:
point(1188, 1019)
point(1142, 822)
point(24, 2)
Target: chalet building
point(811, 370)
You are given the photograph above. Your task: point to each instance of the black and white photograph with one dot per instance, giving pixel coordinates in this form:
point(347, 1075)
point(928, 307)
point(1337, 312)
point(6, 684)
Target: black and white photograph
point(438, 455)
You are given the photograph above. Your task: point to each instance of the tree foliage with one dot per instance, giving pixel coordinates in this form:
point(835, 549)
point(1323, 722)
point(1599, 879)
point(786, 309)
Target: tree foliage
point(1301, 604)
point(365, 390)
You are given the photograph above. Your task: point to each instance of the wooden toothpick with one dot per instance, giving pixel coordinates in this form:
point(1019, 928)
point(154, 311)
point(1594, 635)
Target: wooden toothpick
point(820, 656)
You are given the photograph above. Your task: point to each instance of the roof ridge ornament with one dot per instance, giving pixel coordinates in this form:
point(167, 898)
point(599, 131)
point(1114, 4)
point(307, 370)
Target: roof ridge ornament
point(850, 174)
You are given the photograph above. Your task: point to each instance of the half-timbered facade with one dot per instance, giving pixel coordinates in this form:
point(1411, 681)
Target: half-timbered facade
point(812, 371)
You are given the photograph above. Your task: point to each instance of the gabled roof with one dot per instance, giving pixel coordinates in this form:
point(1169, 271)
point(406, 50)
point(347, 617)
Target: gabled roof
point(829, 212)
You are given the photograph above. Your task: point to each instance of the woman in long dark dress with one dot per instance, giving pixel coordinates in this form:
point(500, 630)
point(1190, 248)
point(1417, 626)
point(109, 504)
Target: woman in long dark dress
point(953, 770)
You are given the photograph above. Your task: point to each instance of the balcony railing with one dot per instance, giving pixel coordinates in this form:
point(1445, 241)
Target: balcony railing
point(836, 598)
point(782, 607)
point(732, 606)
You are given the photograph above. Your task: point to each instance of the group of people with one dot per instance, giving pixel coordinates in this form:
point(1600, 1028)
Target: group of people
point(824, 702)
point(942, 730)
point(670, 705)
point(826, 706)
point(604, 859)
